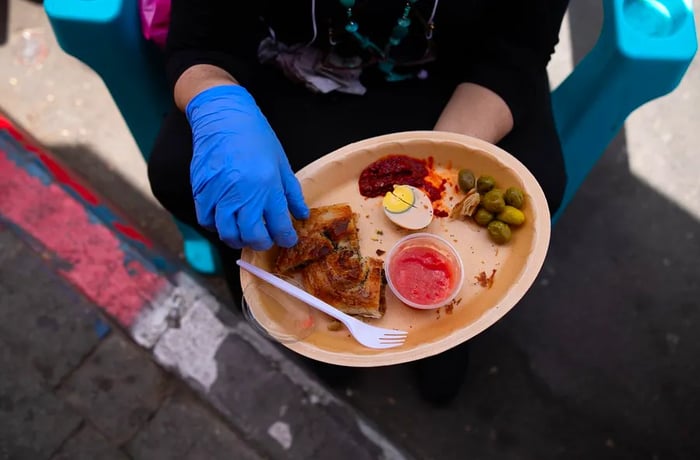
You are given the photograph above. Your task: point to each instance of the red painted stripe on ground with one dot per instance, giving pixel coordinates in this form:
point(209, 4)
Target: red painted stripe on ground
point(132, 233)
point(6, 125)
point(96, 262)
point(64, 177)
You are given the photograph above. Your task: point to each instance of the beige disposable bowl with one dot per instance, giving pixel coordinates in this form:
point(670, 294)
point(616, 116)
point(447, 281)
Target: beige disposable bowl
point(333, 179)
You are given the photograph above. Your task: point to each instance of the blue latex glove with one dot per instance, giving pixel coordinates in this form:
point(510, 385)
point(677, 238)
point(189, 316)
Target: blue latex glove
point(242, 183)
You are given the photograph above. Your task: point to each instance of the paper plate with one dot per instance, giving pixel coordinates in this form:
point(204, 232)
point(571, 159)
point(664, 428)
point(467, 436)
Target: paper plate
point(334, 179)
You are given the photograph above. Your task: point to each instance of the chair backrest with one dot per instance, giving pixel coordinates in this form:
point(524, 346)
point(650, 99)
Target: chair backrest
point(643, 51)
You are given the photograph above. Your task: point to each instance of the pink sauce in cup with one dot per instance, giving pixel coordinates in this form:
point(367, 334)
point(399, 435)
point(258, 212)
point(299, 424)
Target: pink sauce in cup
point(424, 271)
point(422, 275)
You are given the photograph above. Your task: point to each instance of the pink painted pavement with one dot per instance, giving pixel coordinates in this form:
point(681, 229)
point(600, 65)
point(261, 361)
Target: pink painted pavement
point(89, 252)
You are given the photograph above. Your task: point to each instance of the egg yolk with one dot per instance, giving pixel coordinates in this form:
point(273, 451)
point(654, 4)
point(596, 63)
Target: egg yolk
point(399, 200)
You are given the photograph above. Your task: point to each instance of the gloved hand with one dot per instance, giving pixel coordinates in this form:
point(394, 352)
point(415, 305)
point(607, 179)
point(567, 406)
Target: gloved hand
point(242, 183)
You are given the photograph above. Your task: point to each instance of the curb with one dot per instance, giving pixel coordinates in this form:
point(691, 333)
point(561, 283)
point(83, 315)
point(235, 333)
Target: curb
point(276, 406)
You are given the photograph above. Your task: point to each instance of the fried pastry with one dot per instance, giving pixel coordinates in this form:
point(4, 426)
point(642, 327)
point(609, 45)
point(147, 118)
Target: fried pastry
point(328, 257)
point(351, 283)
point(327, 228)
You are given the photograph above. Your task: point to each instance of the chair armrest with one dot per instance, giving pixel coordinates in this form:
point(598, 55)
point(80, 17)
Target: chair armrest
point(106, 36)
point(643, 51)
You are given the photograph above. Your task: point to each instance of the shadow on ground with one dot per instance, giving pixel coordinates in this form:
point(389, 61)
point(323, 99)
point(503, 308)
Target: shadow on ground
point(115, 189)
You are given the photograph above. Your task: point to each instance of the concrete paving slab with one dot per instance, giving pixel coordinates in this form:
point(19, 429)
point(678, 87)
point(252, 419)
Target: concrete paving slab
point(33, 422)
point(89, 444)
point(52, 324)
point(8, 246)
point(276, 405)
point(184, 429)
point(272, 406)
point(117, 389)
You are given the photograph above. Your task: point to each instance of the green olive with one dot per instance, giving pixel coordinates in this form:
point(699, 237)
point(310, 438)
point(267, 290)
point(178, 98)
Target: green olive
point(499, 232)
point(466, 180)
point(511, 215)
point(483, 217)
point(493, 201)
point(514, 197)
point(485, 183)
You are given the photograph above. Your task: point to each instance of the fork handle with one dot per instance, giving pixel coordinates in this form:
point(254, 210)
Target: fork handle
point(294, 291)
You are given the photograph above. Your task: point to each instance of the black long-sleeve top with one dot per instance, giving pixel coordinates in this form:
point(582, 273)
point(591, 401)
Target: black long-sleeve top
point(501, 45)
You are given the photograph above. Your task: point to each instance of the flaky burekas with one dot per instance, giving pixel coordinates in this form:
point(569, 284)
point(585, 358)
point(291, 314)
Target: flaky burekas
point(327, 228)
point(351, 283)
point(332, 268)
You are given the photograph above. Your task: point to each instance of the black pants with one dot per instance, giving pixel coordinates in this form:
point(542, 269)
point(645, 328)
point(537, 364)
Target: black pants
point(309, 126)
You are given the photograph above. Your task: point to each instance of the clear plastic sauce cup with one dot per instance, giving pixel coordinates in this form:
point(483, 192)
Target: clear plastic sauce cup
point(424, 271)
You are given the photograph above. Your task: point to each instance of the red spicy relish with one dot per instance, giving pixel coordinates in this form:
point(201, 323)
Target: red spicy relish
point(380, 177)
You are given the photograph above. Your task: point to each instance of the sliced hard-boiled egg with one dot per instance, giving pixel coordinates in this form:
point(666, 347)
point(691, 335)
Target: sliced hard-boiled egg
point(401, 199)
point(408, 207)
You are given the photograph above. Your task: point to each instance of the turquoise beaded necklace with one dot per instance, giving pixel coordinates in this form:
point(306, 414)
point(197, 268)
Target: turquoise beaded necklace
point(386, 64)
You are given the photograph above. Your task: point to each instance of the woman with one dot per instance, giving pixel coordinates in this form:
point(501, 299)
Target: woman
point(264, 88)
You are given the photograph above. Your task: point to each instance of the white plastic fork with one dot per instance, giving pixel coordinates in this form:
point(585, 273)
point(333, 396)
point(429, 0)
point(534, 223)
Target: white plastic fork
point(367, 335)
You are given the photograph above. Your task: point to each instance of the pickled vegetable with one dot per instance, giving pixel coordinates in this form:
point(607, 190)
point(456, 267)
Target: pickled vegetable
point(483, 217)
point(511, 215)
point(466, 180)
point(499, 211)
point(485, 183)
point(499, 232)
point(467, 206)
point(514, 197)
point(493, 201)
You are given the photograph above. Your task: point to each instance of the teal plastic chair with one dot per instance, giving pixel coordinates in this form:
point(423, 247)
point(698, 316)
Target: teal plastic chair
point(644, 49)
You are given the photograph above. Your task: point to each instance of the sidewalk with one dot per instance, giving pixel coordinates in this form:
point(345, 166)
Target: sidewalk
point(109, 349)
point(75, 388)
point(73, 385)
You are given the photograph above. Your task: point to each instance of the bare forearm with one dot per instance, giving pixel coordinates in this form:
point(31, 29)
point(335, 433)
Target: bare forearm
point(476, 111)
point(197, 79)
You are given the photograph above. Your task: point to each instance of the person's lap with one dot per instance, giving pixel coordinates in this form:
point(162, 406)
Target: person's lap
point(310, 126)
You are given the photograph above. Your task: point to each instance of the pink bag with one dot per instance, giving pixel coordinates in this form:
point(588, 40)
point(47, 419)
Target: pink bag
point(155, 20)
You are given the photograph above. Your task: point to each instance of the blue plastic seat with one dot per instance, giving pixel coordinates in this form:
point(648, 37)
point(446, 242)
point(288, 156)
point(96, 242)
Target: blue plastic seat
point(644, 49)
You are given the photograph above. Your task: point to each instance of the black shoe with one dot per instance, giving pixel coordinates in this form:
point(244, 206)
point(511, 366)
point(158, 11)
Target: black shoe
point(440, 377)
